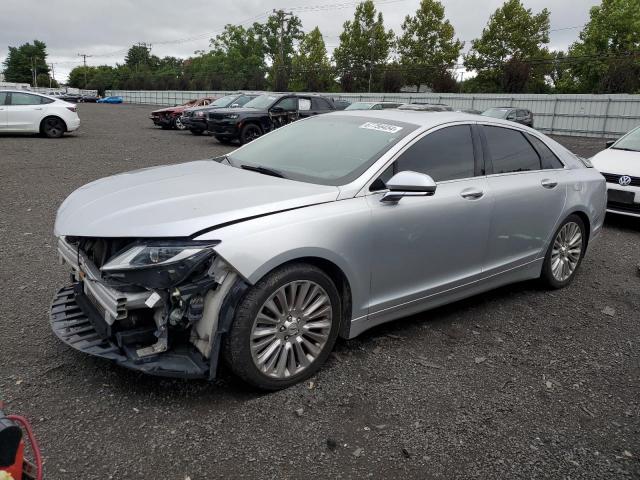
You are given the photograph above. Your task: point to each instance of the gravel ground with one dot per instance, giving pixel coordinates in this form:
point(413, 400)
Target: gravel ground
point(517, 383)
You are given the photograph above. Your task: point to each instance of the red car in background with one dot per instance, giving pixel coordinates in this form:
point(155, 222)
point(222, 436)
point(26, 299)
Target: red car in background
point(170, 117)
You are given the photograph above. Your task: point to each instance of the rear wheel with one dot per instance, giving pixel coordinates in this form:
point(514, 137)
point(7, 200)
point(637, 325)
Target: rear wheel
point(284, 328)
point(250, 132)
point(53, 127)
point(565, 253)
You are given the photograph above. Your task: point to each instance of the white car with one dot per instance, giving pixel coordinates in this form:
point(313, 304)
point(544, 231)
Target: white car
point(29, 112)
point(620, 166)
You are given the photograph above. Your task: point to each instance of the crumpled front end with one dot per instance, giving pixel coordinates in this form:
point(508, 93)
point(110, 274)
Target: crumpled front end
point(162, 319)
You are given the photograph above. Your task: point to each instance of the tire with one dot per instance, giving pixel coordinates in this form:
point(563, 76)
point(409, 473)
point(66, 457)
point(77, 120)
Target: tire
point(303, 343)
point(249, 132)
point(178, 125)
point(53, 127)
point(560, 262)
point(197, 132)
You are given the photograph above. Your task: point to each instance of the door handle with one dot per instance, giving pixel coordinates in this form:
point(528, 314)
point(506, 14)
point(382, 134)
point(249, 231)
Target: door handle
point(548, 183)
point(471, 193)
point(39, 108)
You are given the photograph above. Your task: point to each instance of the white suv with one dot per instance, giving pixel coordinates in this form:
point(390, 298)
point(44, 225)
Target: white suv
point(29, 112)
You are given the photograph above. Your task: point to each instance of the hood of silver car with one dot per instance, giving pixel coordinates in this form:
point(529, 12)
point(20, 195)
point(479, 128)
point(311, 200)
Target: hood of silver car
point(180, 200)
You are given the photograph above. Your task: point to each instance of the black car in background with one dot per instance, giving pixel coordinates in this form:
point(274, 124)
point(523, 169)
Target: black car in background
point(195, 119)
point(518, 115)
point(264, 114)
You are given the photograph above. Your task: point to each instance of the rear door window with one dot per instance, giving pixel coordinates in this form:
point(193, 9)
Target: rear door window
point(19, 98)
point(304, 104)
point(446, 154)
point(320, 104)
point(3, 98)
point(510, 151)
point(549, 159)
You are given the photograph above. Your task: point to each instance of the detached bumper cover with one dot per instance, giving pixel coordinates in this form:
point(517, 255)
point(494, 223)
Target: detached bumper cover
point(77, 323)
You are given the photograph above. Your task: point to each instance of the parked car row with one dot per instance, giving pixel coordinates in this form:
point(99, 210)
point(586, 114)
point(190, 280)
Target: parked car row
point(245, 116)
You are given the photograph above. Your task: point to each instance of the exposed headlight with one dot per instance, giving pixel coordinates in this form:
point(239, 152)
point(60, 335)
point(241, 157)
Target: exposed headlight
point(158, 264)
point(231, 115)
point(199, 114)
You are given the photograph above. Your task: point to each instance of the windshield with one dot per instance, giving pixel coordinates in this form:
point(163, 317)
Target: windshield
point(224, 101)
point(631, 141)
point(496, 112)
point(360, 106)
point(261, 102)
point(329, 149)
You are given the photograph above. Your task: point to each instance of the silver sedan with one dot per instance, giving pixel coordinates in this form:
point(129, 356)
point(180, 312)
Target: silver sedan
point(323, 228)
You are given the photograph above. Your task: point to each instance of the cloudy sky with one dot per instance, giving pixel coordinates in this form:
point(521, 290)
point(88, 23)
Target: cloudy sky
point(105, 29)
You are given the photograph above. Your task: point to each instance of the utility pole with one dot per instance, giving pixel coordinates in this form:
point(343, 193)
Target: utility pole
point(279, 68)
point(84, 59)
point(34, 71)
point(52, 77)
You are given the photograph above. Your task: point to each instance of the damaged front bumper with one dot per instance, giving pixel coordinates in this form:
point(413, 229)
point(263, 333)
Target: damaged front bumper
point(132, 328)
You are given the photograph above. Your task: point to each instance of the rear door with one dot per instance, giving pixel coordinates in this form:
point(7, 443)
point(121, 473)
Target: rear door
point(24, 112)
point(528, 198)
point(3, 111)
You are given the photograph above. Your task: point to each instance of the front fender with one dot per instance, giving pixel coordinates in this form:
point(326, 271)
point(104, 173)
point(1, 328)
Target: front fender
point(338, 232)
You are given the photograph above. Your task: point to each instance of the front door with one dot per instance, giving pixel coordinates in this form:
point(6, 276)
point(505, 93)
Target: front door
point(427, 245)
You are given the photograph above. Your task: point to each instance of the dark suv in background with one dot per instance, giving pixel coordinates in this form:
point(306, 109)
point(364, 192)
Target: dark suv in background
point(518, 115)
point(195, 119)
point(263, 114)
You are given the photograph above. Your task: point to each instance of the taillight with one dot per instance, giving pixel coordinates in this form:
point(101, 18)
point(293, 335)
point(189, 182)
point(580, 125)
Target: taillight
point(73, 109)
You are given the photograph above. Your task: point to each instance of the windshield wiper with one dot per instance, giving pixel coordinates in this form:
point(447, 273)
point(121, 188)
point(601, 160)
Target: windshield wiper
point(263, 170)
point(625, 149)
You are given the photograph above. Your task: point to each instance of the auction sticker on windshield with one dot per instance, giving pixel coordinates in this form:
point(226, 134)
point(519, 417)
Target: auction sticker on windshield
point(381, 127)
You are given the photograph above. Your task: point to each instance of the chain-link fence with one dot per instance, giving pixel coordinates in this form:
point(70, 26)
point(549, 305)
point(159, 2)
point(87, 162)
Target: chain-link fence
point(605, 116)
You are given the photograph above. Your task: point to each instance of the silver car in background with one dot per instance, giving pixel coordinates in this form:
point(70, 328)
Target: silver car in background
point(323, 228)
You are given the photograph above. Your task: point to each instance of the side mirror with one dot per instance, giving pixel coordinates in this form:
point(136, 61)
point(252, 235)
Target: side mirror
point(277, 109)
point(409, 184)
point(235, 105)
point(610, 143)
point(511, 116)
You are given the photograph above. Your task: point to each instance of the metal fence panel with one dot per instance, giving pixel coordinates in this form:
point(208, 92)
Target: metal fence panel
point(605, 116)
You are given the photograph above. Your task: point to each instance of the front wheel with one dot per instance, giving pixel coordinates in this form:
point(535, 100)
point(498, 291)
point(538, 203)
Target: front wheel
point(177, 123)
point(565, 253)
point(284, 327)
point(249, 133)
point(53, 127)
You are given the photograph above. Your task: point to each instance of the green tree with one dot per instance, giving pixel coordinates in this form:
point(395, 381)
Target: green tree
point(364, 49)
point(427, 47)
point(279, 35)
point(312, 71)
point(237, 58)
point(511, 54)
point(22, 61)
point(605, 58)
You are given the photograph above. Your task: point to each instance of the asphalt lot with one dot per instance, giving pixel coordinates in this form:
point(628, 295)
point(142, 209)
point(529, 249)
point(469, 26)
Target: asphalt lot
point(517, 383)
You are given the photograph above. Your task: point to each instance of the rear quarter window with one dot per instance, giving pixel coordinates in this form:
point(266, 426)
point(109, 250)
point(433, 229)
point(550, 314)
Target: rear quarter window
point(548, 159)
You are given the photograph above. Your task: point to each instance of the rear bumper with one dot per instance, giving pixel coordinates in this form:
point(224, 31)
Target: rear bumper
point(73, 124)
point(78, 323)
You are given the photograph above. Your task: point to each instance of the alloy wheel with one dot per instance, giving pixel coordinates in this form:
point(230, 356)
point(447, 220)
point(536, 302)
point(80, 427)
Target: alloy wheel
point(566, 251)
point(291, 329)
point(179, 125)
